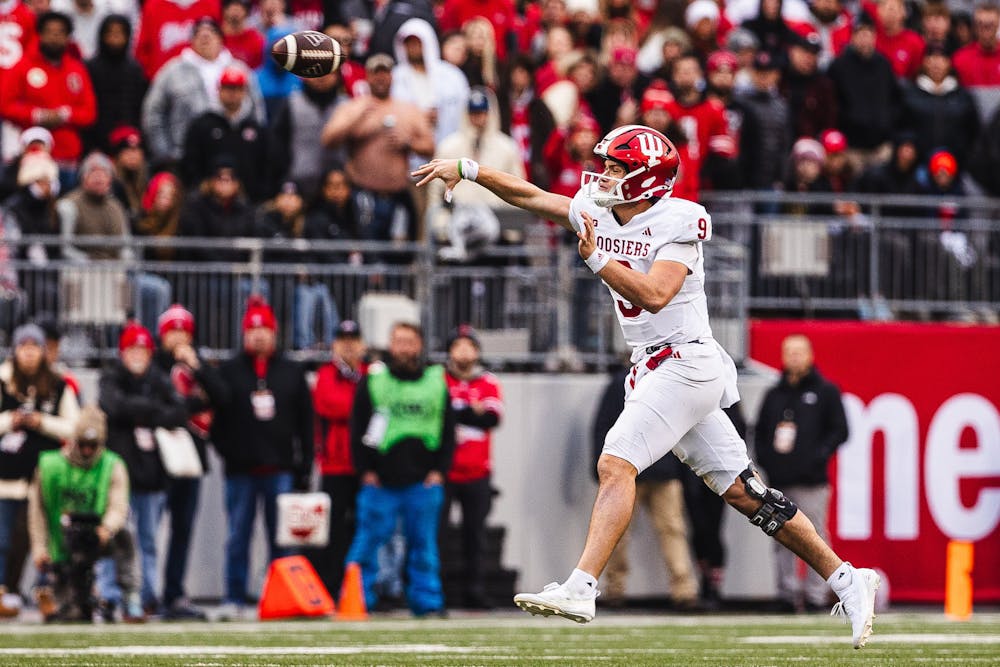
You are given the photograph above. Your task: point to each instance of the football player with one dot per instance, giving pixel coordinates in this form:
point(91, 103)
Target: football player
point(647, 249)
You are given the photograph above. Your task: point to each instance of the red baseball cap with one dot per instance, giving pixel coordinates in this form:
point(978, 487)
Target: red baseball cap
point(234, 77)
point(660, 98)
point(175, 318)
point(944, 160)
point(135, 334)
point(833, 141)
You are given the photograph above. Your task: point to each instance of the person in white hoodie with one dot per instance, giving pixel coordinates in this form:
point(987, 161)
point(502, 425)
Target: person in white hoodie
point(185, 88)
point(422, 78)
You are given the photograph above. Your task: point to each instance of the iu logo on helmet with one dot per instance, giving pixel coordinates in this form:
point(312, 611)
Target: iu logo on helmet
point(651, 146)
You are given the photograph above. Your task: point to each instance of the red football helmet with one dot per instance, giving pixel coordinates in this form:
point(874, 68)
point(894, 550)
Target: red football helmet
point(650, 161)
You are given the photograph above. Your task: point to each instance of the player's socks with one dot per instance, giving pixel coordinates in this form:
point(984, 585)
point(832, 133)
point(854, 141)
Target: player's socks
point(841, 578)
point(581, 584)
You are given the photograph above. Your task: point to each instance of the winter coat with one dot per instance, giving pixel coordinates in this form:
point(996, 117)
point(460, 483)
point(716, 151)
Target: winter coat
point(136, 407)
point(205, 216)
point(812, 103)
point(333, 401)
point(867, 98)
point(212, 135)
point(119, 86)
point(942, 117)
point(248, 444)
point(772, 119)
point(815, 407)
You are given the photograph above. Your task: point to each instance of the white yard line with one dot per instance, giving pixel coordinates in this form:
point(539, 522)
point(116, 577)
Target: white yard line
point(235, 650)
point(878, 639)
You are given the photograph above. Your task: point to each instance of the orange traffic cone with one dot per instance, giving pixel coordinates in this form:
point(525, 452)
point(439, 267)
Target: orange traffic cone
point(352, 595)
point(292, 588)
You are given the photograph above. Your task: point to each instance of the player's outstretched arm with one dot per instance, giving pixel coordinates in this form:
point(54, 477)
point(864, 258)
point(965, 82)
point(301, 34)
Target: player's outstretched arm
point(513, 190)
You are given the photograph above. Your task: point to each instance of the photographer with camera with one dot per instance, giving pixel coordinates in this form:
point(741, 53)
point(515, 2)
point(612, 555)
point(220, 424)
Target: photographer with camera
point(37, 411)
point(77, 507)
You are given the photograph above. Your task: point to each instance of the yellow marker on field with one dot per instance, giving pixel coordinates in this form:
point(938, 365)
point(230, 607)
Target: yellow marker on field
point(958, 581)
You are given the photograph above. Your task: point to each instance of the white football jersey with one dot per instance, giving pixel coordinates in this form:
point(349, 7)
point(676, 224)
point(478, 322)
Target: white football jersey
point(672, 229)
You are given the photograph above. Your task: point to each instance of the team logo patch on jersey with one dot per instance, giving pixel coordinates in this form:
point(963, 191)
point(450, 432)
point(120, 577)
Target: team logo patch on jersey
point(37, 78)
point(647, 232)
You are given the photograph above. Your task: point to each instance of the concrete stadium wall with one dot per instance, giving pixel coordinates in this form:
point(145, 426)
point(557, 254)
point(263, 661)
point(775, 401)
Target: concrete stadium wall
point(542, 459)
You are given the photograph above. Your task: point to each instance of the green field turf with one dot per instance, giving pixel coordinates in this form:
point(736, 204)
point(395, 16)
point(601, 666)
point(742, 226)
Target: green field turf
point(514, 639)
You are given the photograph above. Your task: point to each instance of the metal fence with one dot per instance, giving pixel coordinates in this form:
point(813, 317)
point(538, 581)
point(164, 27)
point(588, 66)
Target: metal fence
point(536, 305)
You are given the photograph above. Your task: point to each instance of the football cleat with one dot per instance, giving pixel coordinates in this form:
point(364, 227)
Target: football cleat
point(555, 600)
point(857, 603)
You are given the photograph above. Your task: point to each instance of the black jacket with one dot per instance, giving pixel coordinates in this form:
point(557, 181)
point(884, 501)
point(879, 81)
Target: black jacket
point(815, 407)
point(20, 464)
point(145, 402)
point(119, 87)
point(408, 461)
point(609, 408)
point(211, 136)
point(205, 216)
point(247, 444)
point(198, 400)
point(947, 120)
point(868, 98)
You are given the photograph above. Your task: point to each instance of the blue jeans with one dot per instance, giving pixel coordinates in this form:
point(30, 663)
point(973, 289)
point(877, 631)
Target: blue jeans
point(147, 510)
point(243, 492)
point(182, 503)
point(152, 297)
point(8, 517)
point(307, 299)
point(419, 507)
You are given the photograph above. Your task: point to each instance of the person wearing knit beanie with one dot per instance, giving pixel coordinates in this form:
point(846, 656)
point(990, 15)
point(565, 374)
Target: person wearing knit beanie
point(28, 333)
point(260, 328)
point(135, 347)
point(176, 317)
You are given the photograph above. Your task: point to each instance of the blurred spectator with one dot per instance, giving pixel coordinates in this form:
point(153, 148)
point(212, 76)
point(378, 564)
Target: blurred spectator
point(805, 174)
point(659, 489)
point(615, 100)
point(978, 64)
point(702, 120)
point(48, 87)
point(84, 463)
point(91, 210)
point(138, 398)
point(899, 175)
point(31, 211)
point(942, 179)
point(263, 430)
point(165, 28)
point(31, 140)
point(119, 83)
point(456, 14)
point(771, 29)
point(195, 381)
point(935, 25)
point(537, 20)
point(37, 412)
point(569, 153)
point(388, 16)
point(295, 153)
point(18, 37)
point(217, 210)
point(480, 139)
point(588, 27)
point(332, 216)
point(986, 156)
point(131, 174)
point(868, 96)
point(477, 401)
point(333, 401)
point(961, 28)
point(352, 72)
point(525, 117)
point(800, 426)
point(380, 133)
point(812, 100)
point(481, 62)
point(838, 169)
point(558, 44)
point(275, 82)
point(422, 79)
point(184, 89)
point(901, 46)
point(744, 45)
point(659, 52)
point(87, 17)
point(939, 110)
point(832, 23)
point(53, 341)
point(772, 119)
point(161, 214)
point(284, 217)
point(455, 50)
point(244, 42)
point(228, 129)
point(402, 441)
point(741, 125)
point(702, 20)
point(658, 111)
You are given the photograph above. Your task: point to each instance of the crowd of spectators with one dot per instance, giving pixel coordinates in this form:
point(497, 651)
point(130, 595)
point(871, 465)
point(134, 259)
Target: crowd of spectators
point(168, 119)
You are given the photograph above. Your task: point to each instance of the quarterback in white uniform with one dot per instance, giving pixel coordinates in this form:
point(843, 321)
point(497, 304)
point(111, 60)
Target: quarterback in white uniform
point(647, 248)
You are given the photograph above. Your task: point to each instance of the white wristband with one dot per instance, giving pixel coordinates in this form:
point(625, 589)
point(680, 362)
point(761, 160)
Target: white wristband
point(468, 169)
point(597, 260)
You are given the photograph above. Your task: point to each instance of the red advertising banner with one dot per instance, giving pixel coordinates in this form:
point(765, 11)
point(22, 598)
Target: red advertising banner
point(922, 464)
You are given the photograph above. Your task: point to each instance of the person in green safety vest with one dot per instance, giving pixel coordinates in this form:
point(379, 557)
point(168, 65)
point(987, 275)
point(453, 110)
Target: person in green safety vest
point(72, 487)
point(402, 441)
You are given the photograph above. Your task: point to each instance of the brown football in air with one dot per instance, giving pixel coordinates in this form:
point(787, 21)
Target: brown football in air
point(308, 54)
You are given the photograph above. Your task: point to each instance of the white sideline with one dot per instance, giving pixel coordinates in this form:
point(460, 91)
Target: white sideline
point(878, 639)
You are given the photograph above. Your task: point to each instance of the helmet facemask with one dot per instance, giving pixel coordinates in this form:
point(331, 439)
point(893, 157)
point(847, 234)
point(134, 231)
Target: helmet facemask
point(607, 191)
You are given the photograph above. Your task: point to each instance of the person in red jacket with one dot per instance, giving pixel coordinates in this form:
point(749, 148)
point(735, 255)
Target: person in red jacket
point(17, 37)
point(500, 13)
point(52, 89)
point(904, 48)
point(333, 400)
point(165, 29)
point(978, 63)
point(478, 404)
point(243, 42)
